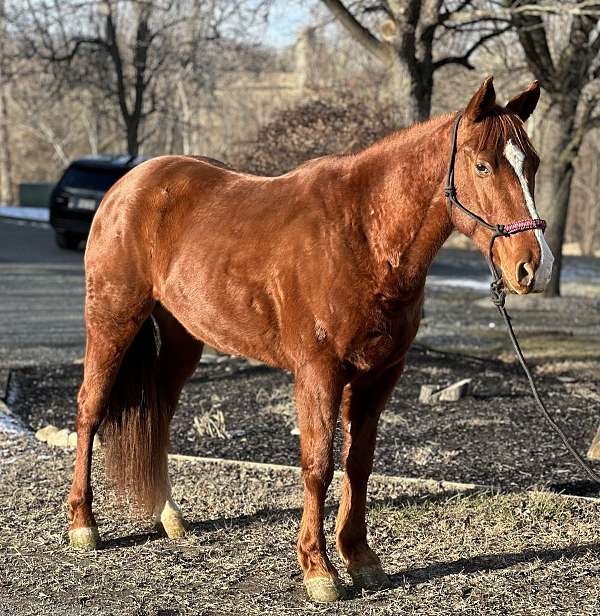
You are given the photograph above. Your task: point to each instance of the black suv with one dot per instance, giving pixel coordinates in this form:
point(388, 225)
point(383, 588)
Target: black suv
point(76, 197)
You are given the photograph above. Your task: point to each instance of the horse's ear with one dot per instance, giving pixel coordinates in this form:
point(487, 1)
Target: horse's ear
point(523, 104)
point(483, 101)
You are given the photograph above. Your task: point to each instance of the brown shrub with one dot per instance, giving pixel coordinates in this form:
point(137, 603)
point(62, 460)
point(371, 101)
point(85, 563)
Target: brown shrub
point(324, 124)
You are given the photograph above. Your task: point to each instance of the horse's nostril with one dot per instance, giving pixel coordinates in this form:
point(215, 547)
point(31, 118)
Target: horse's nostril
point(525, 274)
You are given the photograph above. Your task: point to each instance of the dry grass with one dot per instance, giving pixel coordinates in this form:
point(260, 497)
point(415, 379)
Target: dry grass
point(211, 425)
point(522, 553)
point(278, 400)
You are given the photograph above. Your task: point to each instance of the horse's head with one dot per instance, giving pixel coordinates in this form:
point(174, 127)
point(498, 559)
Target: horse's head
point(495, 177)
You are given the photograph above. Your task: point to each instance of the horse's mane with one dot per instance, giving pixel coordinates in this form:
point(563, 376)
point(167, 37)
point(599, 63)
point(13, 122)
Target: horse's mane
point(496, 129)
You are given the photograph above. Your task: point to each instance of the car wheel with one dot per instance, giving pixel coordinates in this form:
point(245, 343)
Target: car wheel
point(68, 241)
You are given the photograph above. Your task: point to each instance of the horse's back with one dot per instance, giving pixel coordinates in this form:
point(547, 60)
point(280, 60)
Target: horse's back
point(154, 199)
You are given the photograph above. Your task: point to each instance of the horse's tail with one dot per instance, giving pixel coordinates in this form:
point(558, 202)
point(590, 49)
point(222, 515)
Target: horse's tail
point(135, 433)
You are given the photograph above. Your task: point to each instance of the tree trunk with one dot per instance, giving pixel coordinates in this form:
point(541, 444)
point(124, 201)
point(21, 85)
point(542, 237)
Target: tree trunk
point(409, 93)
point(6, 192)
point(554, 184)
point(132, 124)
point(558, 191)
point(186, 130)
point(170, 127)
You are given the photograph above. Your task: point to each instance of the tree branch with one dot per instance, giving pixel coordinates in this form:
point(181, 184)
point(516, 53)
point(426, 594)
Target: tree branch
point(358, 32)
point(447, 14)
point(464, 59)
point(540, 9)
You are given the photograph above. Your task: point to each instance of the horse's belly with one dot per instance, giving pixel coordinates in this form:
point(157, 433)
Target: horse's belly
point(260, 344)
point(237, 322)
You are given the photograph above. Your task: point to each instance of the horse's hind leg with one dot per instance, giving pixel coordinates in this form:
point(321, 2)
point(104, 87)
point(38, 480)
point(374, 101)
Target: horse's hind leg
point(109, 333)
point(361, 408)
point(178, 357)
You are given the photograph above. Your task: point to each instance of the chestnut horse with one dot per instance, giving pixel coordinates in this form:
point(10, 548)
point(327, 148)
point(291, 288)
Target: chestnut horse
point(320, 271)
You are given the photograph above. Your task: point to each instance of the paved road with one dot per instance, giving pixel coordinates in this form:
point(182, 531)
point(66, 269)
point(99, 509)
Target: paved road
point(41, 297)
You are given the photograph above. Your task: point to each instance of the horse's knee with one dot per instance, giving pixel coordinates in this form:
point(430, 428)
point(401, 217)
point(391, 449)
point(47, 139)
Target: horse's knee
point(318, 475)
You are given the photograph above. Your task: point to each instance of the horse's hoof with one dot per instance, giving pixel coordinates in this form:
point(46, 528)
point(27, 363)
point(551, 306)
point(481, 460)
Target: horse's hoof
point(324, 589)
point(85, 539)
point(172, 521)
point(371, 577)
point(174, 527)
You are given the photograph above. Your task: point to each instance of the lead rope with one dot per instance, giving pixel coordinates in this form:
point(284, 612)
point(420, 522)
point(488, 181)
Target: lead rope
point(498, 293)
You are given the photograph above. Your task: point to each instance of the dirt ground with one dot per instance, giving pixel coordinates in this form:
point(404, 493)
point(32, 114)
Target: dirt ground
point(496, 437)
point(448, 552)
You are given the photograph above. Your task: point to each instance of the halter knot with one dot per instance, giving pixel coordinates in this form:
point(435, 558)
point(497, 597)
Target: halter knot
point(498, 293)
point(450, 191)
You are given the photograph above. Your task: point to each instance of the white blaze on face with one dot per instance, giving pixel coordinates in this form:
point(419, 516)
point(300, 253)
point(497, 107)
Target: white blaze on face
point(515, 156)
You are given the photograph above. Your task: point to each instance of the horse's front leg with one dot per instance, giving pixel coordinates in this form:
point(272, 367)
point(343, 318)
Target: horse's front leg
point(318, 394)
point(362, 406)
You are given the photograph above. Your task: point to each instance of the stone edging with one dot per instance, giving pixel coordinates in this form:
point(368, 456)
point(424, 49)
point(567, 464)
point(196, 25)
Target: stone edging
point(64, 438)
point(445, 486)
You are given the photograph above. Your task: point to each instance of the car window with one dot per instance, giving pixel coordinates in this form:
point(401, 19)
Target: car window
point(90, 178)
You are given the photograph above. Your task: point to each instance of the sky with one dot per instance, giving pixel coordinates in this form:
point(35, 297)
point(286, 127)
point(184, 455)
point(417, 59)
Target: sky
point(286, 19)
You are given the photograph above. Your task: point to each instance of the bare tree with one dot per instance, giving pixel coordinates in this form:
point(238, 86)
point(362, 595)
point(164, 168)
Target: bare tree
point(584, 212)
point(125, 49)
point(406, 41)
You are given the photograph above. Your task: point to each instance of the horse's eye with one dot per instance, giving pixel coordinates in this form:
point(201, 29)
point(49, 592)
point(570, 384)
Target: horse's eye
point(482, 169)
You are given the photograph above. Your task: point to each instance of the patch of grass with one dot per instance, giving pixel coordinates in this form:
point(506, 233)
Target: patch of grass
point(525, 553)
point(559, 346)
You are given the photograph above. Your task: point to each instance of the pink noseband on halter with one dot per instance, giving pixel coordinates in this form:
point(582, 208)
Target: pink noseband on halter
point(524, 225)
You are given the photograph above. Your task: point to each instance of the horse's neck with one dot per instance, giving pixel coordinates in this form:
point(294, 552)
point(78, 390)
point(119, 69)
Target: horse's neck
point(402, 210)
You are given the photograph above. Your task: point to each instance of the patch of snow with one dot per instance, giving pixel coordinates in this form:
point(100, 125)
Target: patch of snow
point(10, 424)
point(37, 214)
point(468, 283)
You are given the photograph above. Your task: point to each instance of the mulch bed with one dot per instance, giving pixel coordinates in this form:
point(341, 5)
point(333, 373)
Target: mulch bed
point(496, 437)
